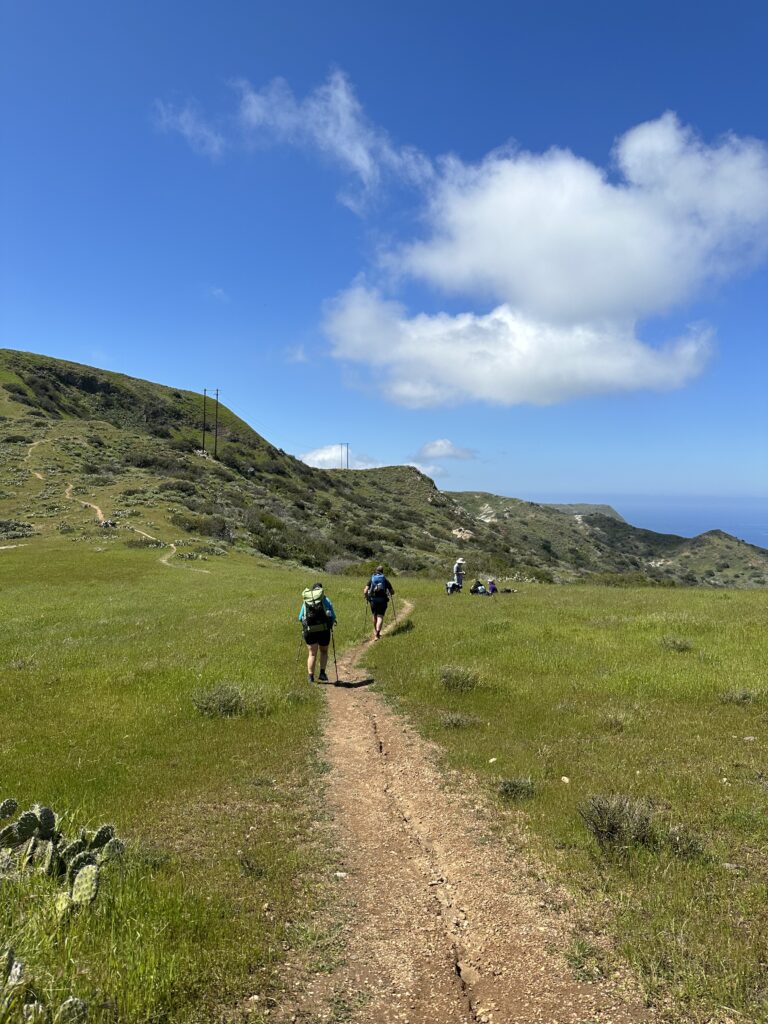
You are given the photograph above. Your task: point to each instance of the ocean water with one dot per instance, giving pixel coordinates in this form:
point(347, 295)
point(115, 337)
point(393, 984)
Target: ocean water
point(745, 518)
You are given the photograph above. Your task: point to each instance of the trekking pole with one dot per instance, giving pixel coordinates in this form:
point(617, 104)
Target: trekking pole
point(298, 653)
point(335, 665)
point(394, 607)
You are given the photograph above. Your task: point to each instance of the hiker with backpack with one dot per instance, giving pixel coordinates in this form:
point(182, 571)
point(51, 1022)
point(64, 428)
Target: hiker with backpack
point(317, 618)
point(377, 592)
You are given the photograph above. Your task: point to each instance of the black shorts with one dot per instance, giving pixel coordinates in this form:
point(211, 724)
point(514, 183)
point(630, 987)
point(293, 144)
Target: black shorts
point(378, 607)
point(322, 637)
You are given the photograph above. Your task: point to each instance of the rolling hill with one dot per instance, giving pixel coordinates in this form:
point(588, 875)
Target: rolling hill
point(75, 439)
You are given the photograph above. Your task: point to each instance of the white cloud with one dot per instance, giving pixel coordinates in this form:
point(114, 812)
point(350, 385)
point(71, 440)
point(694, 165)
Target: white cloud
point(219, 294)
point(555, 238)
point(189, 123)
point(330, 457)
point(331, 121)
point(442, 448)
point(503, 357)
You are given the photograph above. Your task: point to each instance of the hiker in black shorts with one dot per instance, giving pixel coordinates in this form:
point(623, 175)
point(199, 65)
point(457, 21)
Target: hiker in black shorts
point(317, 619)
point(376, 593)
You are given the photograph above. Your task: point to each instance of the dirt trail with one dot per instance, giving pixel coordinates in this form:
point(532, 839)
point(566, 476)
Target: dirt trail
point(86, 504)
point(445, 927)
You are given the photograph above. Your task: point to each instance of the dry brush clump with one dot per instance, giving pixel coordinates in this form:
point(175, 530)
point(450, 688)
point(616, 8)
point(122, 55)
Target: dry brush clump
point(458, 678)
point(34, 845)
point(620, 823)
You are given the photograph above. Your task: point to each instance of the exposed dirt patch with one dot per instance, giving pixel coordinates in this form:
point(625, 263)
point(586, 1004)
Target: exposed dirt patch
point(442, 925)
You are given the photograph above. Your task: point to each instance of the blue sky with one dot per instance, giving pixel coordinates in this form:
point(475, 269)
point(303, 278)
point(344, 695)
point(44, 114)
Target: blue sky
point(521, 245)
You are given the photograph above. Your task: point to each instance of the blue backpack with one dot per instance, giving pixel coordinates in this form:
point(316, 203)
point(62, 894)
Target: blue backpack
point(377, 588)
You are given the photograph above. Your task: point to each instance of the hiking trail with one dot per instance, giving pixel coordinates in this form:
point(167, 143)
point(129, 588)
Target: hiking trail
point(444, 924)
point(86, 504)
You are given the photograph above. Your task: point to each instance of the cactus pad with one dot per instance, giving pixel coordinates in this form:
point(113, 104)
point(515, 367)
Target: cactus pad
point(6, 963)
point(9, 837)
point(113, 850)
point(102, 836)
point(72, 849)
point(26, 826)
point(78, 862)
point(36, 1013)
point(47, 820)
point(63, 904)
point(86, 885)
point(8, 808)
point(72, 1011)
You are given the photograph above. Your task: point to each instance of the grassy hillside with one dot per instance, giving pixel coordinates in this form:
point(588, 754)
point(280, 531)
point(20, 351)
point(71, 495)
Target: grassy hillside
point(134, 449)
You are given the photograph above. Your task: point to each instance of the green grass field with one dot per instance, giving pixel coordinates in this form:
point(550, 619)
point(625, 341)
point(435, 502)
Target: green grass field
point(653, 693)
point(656, 694)
point(101, 651)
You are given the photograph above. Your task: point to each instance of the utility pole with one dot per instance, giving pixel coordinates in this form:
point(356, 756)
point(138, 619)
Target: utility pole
point(205, 395)
point(216, 428)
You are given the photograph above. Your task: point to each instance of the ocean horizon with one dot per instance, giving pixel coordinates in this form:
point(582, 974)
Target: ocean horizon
point(745, 518)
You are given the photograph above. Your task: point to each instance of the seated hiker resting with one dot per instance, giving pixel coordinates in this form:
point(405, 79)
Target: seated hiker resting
point(318, 619)
point(376, 593)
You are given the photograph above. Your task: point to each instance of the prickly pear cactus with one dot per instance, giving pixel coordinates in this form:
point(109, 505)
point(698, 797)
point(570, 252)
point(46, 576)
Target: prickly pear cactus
point(51, 863)
point(102, 836)
point(113, 850)
point(47, 820)
point(78, 862)
point(72, 1011)
point(26, 826)
point(72, 849)
point(9, 837)
point(36, 1013)
point(8, 808)
point(63, 905)
point(86, 885)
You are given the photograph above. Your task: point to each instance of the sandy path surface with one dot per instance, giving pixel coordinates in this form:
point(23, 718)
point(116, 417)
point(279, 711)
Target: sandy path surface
point(444, 927)
point(86, 504)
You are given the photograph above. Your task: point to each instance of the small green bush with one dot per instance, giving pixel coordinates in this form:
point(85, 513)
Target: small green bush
point(457, 720)
point(226, 700)
point(674, 643)
point(521, 788)
point(403, 626)
point(222, 701)
point(459, 679)
point(619, 822)
point(742, 697)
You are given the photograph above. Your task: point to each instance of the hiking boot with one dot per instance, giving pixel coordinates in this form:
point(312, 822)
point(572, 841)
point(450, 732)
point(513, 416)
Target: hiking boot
point(310, 678)
point(323, 678)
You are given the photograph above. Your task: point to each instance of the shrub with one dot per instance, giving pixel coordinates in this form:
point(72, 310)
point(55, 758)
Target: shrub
point(142, 542)
point(16, 439)
point(521, 788)
point(740, 697)
point(683, 842)
point(458, 679)
point(403, 626)
point(181, 486)
point(457, 720)
point(673, 643)
point(619, 822)
point(225, 700)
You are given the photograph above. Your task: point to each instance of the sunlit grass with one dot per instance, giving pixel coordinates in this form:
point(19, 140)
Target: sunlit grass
point(654, 694)
point(101, 655)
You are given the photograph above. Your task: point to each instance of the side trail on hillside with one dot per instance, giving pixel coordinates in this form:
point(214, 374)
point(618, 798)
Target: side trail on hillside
point(443, 927)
